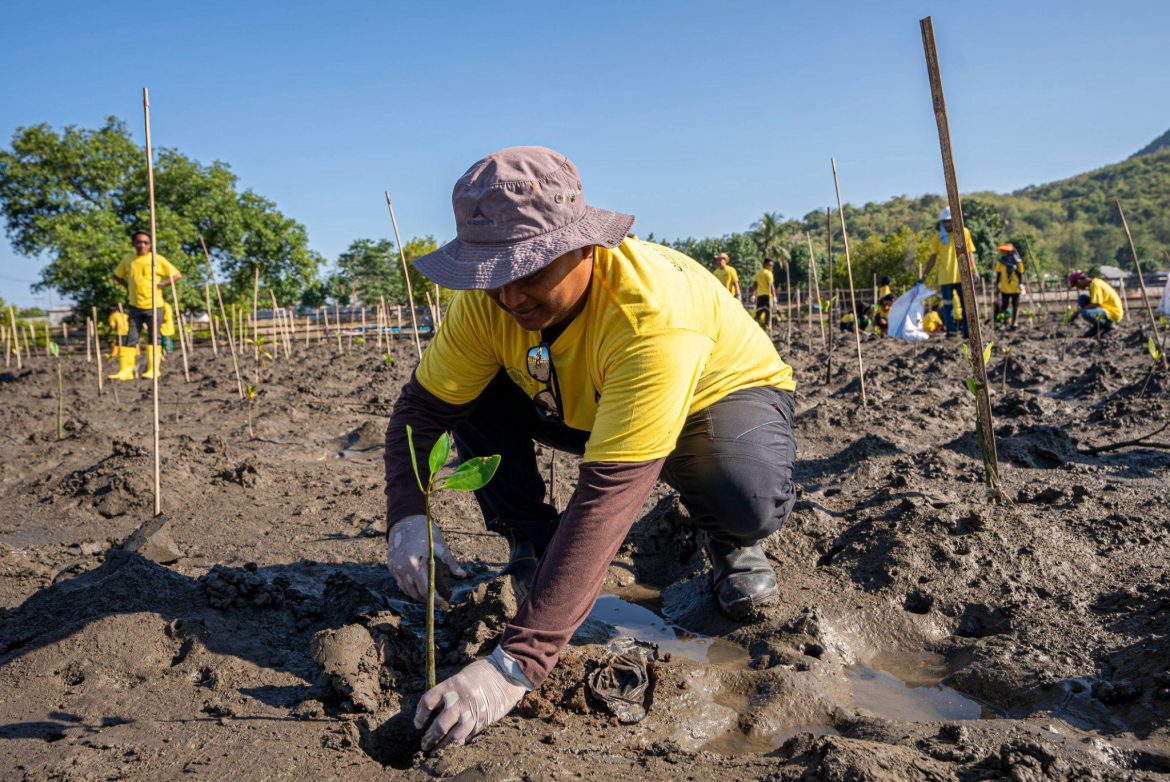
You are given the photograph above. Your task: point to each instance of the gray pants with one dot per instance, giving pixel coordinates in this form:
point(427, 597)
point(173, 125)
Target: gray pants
point(732, 465)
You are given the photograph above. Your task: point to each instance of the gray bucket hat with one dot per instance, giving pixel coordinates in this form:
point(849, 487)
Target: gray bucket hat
point(516, 211)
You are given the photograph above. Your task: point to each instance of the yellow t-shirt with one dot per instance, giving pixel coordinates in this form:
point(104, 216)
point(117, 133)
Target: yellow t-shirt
point(120, 323)
point(1102, 294)
point(931, 322)
point(946, 264)
point(1009, 283)
point(728, 277)
point(136, 273)
point(657, 340)
point(763, 282)
point(884, 291)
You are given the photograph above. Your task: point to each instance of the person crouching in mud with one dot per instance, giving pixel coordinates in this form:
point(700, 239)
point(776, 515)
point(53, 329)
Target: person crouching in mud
point(1101, 306)
point(567, 332)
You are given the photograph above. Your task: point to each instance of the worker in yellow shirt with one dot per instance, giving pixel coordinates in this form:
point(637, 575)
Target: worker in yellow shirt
point(1101, 306)
point(166, 329)
point(763, 291)
point(931, 322)
point(1009, 271)
point(727, 275)
point(565, 331)
point(945, 255)
point(119, 323)
point(885, 289)
point(144, 291)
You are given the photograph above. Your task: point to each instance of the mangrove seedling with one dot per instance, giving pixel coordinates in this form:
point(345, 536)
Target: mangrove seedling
point(250, 394)
point(473, 474)
point(1155, 354)
point(55, 352)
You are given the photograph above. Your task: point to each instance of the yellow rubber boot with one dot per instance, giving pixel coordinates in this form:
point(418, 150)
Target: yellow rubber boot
point(153, 362)
point(127, 358)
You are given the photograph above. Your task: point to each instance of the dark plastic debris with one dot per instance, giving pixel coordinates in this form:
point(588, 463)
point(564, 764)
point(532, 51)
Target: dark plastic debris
point(621, 683)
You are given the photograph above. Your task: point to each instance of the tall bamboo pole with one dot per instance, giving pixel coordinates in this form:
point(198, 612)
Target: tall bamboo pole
point(816, 285)
point(224, 319)
point(383, 326)
point(281, 336)
point(154, 349)
point(179, 330)
point(788, 303)
point(8, 346)
point(438, 308)
point(255, 312)
point(405, 275)
point(983, 429)
point(1142, 281)
point(97, 345)
point(210, 317)
point(90, 327)
point(832, 270)
point(15, 336)
point(852, 294)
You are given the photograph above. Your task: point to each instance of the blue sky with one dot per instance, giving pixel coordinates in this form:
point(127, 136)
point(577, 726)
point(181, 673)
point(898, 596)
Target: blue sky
point(696, 117)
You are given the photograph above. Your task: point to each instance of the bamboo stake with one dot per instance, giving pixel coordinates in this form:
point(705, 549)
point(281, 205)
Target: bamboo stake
point(153, 305)
point(255, 311)
point(1158, 339)
point(852, 295)
point(90, 326)
point(983, 430)
point(64, 333)
point(337, 323)
point(384, 324)
point(48, 339)
point(438, 308)
point(224, 319)
point(809, 282)
point(832, 270)
point(307, 332)
point(97, 346)
point(363, 322)
point(788, 304)
point(210, 317)
point(278, 322)
point(4, 339)
point(406, 276)
point(431, 308)
point(816, 286)
point(179, 329)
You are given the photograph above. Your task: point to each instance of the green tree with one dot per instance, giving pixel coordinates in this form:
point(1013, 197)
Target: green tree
point(72, 198)
point(372, 267)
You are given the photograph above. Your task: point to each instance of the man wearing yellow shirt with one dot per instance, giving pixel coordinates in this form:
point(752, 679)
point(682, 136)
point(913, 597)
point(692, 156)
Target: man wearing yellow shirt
point(1101, 306)
point(135, 275)
point(945, 255)
point(565, 331)
point(727, 275)
point(763, 291)
point(1009, 270)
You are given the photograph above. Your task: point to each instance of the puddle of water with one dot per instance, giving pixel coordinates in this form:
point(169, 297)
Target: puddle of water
point(908, 688)
point(644, 624)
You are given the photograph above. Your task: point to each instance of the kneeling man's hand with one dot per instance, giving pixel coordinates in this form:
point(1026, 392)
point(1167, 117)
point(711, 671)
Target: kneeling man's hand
point(406, 556)
point(465, 704)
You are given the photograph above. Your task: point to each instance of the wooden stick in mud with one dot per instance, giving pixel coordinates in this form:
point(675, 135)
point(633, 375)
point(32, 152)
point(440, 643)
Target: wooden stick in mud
point(255, 311)
point(279, 325)
point(431, 309)
point(816, 287)
point(97, 346)
point(224, 319)
point(210, 317)
point(984, 432)
point(179, 331)
point(363, 323)
point(337, 319)
point(405, 276)
point(153, 306)
point(383, 324)
point(788, 304)
point(1142, 281)
point(89, 329)
point(852, 294)
point(7, 346)
point(831, 270)
point(438, 308)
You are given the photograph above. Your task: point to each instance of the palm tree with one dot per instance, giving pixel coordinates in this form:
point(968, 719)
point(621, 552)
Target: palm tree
point(768, 233)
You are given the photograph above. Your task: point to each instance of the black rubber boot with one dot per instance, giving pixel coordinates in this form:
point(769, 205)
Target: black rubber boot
point(1092, 332)
point(743, 579)
point(522, 562)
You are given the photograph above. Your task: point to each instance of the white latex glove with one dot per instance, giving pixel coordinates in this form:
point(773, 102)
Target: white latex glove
point(465, 704)
point(406, 556)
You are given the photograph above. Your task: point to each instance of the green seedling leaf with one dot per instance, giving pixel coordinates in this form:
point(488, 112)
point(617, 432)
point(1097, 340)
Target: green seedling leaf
point(987, 353)
point(388, 359)
point(250, 392)
point(440, 453)
point(472, 474)
point(413, 459)
point(971, 385)
point(55, 351)
point(1151, 346)
point(359, 340)
point(966, 351)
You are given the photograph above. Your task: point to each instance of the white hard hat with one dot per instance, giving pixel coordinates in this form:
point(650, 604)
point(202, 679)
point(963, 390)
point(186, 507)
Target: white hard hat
point(945, 214)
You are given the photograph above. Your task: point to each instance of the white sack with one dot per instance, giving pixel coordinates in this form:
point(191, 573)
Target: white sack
point(906, 314)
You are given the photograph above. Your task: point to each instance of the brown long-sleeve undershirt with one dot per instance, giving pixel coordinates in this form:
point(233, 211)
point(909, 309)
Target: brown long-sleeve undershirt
point(593, 526)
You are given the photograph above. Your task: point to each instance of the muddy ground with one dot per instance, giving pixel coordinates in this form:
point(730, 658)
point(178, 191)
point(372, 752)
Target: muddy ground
point(921, 632)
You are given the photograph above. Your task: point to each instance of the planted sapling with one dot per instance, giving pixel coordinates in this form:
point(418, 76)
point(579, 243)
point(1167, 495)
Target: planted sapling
point(473, 474)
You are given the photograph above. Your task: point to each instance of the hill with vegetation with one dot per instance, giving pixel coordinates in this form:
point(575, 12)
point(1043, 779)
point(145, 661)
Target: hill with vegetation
point(1068, 224)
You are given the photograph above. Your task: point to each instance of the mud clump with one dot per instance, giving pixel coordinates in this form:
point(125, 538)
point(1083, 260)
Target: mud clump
point(478, 621)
